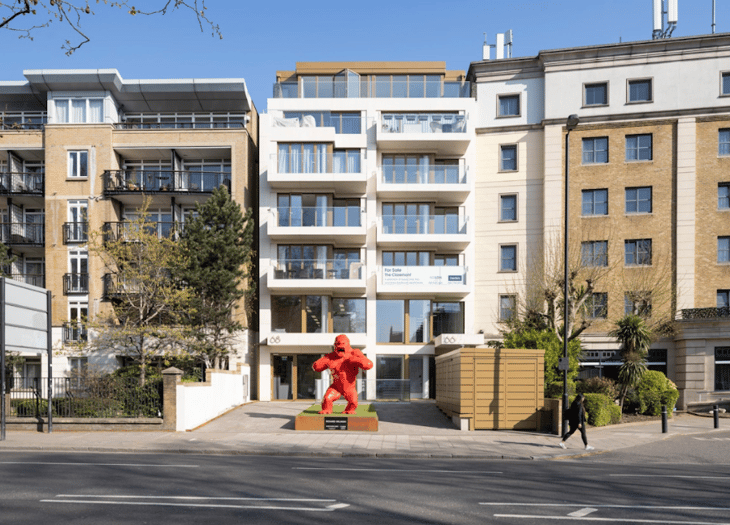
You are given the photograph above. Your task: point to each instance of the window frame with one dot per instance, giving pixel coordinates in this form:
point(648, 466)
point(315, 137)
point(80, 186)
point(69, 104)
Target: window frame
point(597, 310)
point(502, 268)
point(586, 85)
point(639, 303)
point(726, 294)
point(502, 148)
point(723, 76)
point(592, 191)
point(513, 300)
point(505, 96)
point(593, 151)
point(723, 252)
point(720, 198)
point(638, 148)
point(591, 260)
point(637, 258)
point(724, 362)
point(502, 198)
point(70, 172)
point(637, 201)
point(631, 81)
point(721, 143)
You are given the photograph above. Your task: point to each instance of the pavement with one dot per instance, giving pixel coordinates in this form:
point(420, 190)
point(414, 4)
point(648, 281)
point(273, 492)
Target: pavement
point(417, 429)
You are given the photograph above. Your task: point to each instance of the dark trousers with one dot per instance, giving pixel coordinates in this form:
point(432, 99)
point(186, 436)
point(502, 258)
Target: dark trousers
point(582, 433)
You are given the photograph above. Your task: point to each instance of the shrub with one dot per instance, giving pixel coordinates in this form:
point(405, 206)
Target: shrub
point(598, 407)
point(655, 390)
point(615, 413)
point(598, 385)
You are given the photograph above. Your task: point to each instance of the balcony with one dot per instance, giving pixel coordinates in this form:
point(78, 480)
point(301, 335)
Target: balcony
point(339, 175)
point(75, 232)
point(363, 87)
point(447, 183)
point(164, 181)
point(114, 288)
point(125, 231)
point(74, 332)
point(23, 120)
point(324, 224)
point(22, 233)
point(24, 183)
point(34, 279)
point(158, 121)
point(437, 231)
point(297, 275)
point(75, 283)
point(441, 282)
point(439, 133)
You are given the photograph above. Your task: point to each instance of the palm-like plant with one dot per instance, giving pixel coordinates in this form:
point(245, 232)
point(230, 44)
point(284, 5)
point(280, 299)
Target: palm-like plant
point(635, 338)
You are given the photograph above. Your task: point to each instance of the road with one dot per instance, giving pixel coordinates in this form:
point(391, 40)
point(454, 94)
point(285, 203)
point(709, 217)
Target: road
point(640, 485)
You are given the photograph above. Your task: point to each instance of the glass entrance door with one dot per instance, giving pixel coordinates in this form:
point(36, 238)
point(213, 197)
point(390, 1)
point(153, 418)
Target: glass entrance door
point(293, 376)
point(282, 376)
point(306, 376)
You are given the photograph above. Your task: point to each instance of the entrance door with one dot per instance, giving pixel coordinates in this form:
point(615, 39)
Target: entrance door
point(415, 371)
point(294, 377)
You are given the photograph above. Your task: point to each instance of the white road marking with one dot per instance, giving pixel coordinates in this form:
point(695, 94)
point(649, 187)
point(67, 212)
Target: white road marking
point(233, 498)
point(399, 470)
point(338, 506)
point(199, 505)
point(612, 520)
point(645, 507)
point(666, 476)
point(96, 464)
point(582, 512)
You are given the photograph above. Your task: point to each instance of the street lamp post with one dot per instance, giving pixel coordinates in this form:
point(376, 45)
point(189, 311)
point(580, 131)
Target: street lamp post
point(570, 124)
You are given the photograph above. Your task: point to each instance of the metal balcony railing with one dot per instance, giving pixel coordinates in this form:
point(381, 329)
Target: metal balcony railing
point(120, 231)
point(322, 217)
point(422, 123)
point(74, 232)
point(158, 181)
point(22, 233)
point(74, 332)
point(318, 269)
point(113, 287)
point(369, 88)
point(23, 120)
point(22, 183)
point(75, 283)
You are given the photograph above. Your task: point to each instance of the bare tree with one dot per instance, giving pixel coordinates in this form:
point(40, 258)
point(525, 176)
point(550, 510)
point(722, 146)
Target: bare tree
point(25, 17)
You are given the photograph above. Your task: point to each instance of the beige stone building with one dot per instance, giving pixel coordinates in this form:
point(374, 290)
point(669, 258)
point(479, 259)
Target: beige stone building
point(79, 152)
point(649, 203)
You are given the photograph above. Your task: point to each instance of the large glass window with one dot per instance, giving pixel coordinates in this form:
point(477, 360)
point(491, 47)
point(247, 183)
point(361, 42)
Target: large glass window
point(638, 147)
point(313, 314)
point(596, 94)
point(595, 202)
point(391, 321)
point(406, 169)
point(78, 162)
point(303, 158)
point(79, 110)
point(346, 161)
point(302, 209)
point(637, 252)
point(722, 368)
point(448, 318)
point(594, 253)
point(638, 200)
point(407, 218)
point(595, 150)
point(348, 315)
point(414, 258)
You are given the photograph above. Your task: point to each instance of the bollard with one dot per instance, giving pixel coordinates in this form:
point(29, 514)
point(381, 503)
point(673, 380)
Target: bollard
point(717, 416)
point(664, 419)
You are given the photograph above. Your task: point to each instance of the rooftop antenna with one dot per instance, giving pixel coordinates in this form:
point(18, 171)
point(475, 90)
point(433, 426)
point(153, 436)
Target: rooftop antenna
point(662, 8)
point(713, 17)
point(485, 48)
point(504, 41)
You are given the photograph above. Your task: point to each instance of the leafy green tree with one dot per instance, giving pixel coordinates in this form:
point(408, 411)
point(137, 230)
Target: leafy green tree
point(5, 260)
point(547, 340)
point(25, 17)
point(145, 300)
point(635, 338)
point(217, 256)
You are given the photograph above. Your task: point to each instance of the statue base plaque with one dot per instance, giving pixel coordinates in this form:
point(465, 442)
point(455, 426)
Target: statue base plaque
point(364, 420)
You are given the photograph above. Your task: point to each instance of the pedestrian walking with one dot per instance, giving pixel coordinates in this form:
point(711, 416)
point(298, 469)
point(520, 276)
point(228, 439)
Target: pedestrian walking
point(577, 421)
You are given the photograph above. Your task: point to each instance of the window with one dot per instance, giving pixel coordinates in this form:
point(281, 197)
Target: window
point(78, 162)
point(723, 298)
point(79, 110)
point(594, 253)
point(507, 208)
point(316, 314)
point(508, 157)
point(414, 258)
point(448, 318)
point(303, 158)
point(640, 90)
point(595, 202)
point(638, 147)
point(409, 321)
point(725, 83)
point(302, 209)
point(637, 252)
point(507, 307)
point(596, 94)
point(595, 150)
point(723, 196)
point(638, 200)
point(723, 141)
point(723, 249)
point(637, 303)
point(345, 161)
point(722, 368)
point(508, 105)
point(508, 258)
point(596, 305)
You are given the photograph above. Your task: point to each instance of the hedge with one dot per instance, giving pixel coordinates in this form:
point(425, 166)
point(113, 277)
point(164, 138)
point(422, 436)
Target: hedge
point(601, 410)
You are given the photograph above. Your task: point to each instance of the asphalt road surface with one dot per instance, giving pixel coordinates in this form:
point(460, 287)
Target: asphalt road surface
point(641, 485)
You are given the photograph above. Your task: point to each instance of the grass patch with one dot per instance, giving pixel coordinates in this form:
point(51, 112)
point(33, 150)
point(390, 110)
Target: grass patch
point(363, 410)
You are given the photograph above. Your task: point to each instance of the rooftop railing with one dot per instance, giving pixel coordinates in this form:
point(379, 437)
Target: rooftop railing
point(369, 88)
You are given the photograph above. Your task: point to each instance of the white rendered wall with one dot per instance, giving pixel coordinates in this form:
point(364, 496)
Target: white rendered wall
point(198, 403)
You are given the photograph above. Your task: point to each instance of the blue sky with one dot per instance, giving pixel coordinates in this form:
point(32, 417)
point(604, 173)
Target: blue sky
point(261, 37)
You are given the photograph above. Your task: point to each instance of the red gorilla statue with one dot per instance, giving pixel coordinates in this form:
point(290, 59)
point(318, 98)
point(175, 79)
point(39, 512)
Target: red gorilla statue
point(344, 362)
